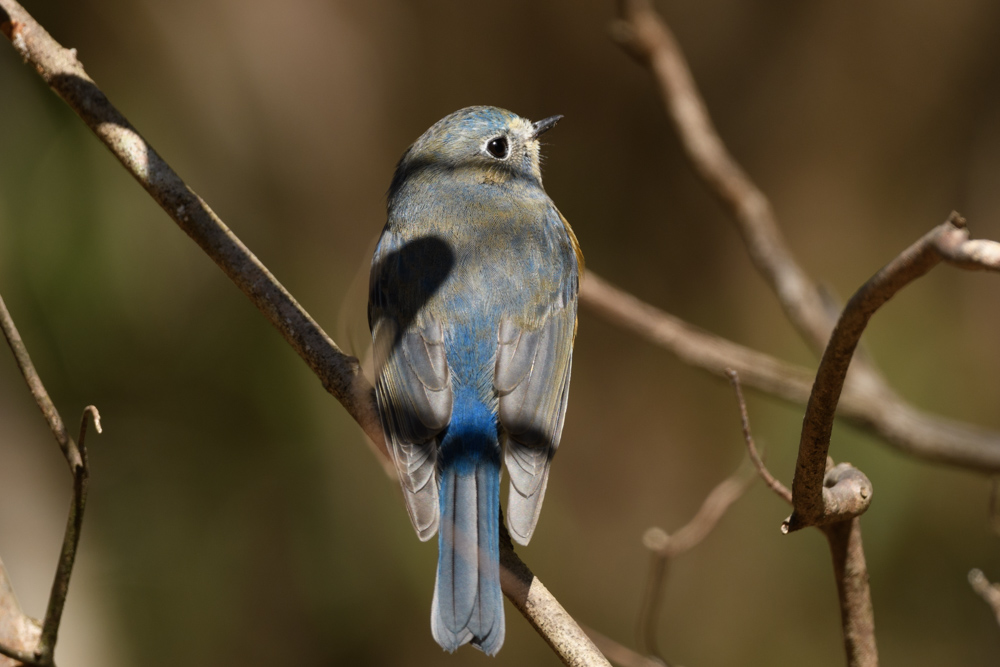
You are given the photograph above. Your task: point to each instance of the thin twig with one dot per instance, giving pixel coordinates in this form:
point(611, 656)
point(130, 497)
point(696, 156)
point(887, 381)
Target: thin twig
point(774, 484)
point(990, 593)
point(712, 509)
point(76, 457)
point(36, 388)
point(17, 656)
point(71, 540)
point(340, 373)
point(664, 547)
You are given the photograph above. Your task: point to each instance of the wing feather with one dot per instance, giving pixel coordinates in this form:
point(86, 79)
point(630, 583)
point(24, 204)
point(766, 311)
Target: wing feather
point(414, 396)
point(533, 373)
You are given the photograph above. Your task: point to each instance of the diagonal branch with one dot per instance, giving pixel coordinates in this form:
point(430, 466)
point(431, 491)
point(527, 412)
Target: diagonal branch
point(646, 37)
point(873, 407)
point(340, 373)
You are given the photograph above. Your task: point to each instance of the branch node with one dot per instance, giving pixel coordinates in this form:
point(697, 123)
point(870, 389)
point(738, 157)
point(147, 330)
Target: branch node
point(847, 494)
point(656, 539)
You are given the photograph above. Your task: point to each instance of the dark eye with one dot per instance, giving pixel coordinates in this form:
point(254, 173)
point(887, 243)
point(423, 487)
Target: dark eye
point(497, 147)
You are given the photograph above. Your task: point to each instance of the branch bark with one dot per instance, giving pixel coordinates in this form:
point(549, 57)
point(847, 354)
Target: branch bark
point(340, 373)
point(853, 592)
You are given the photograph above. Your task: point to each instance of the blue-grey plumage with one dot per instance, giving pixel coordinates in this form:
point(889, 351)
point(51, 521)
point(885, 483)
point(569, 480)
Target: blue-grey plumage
point(472, 307)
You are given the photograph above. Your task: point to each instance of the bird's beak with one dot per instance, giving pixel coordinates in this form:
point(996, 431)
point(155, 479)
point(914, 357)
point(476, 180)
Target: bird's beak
point(545, 125)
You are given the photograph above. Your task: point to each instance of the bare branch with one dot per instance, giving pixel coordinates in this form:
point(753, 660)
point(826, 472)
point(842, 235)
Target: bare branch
point(692, 345)
point(815, 501)
point(76, 457)
point(71, 540)
point(851, 572)
point(844, 538)
point(704, 521)
point(870, 405)
point(646, 37)
point(45, 404)
point(340, 373)
point(989, 592)
point(868, 400)
point(780, 489)
point(543, 611)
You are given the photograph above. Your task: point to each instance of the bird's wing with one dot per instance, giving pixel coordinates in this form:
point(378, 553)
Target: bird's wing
point(413, 389)
point(532, 379)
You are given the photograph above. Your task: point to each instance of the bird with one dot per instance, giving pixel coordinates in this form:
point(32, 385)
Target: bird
point(473, 314)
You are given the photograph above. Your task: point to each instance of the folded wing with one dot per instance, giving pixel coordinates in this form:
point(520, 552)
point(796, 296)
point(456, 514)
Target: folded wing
point(532, 380)
point(414, 395)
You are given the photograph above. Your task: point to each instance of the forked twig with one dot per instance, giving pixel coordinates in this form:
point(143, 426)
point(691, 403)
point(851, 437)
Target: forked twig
point(41, 653)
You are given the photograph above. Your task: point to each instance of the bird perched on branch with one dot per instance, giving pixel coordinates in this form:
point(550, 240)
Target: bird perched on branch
point(472, 308)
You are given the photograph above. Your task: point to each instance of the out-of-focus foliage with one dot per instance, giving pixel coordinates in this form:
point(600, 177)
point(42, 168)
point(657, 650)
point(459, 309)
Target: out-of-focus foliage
point(236, 516)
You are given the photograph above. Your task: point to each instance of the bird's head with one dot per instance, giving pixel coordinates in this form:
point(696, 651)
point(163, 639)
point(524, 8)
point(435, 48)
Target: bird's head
point(484, 143)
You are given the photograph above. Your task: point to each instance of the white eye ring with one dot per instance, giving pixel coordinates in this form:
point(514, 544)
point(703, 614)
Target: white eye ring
point(497, 147)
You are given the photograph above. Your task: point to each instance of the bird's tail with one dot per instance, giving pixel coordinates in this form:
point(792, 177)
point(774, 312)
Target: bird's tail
point(468, 604)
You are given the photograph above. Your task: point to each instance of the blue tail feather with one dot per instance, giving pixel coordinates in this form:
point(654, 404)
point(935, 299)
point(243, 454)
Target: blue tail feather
point(468, 603)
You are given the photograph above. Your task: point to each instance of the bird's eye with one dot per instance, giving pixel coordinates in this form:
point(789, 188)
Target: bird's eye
point(497, 147)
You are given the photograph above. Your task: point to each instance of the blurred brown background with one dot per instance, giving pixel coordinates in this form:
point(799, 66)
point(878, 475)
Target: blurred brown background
point(236, 515)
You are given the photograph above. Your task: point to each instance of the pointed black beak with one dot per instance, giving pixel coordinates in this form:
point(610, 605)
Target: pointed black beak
point(545, 125)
